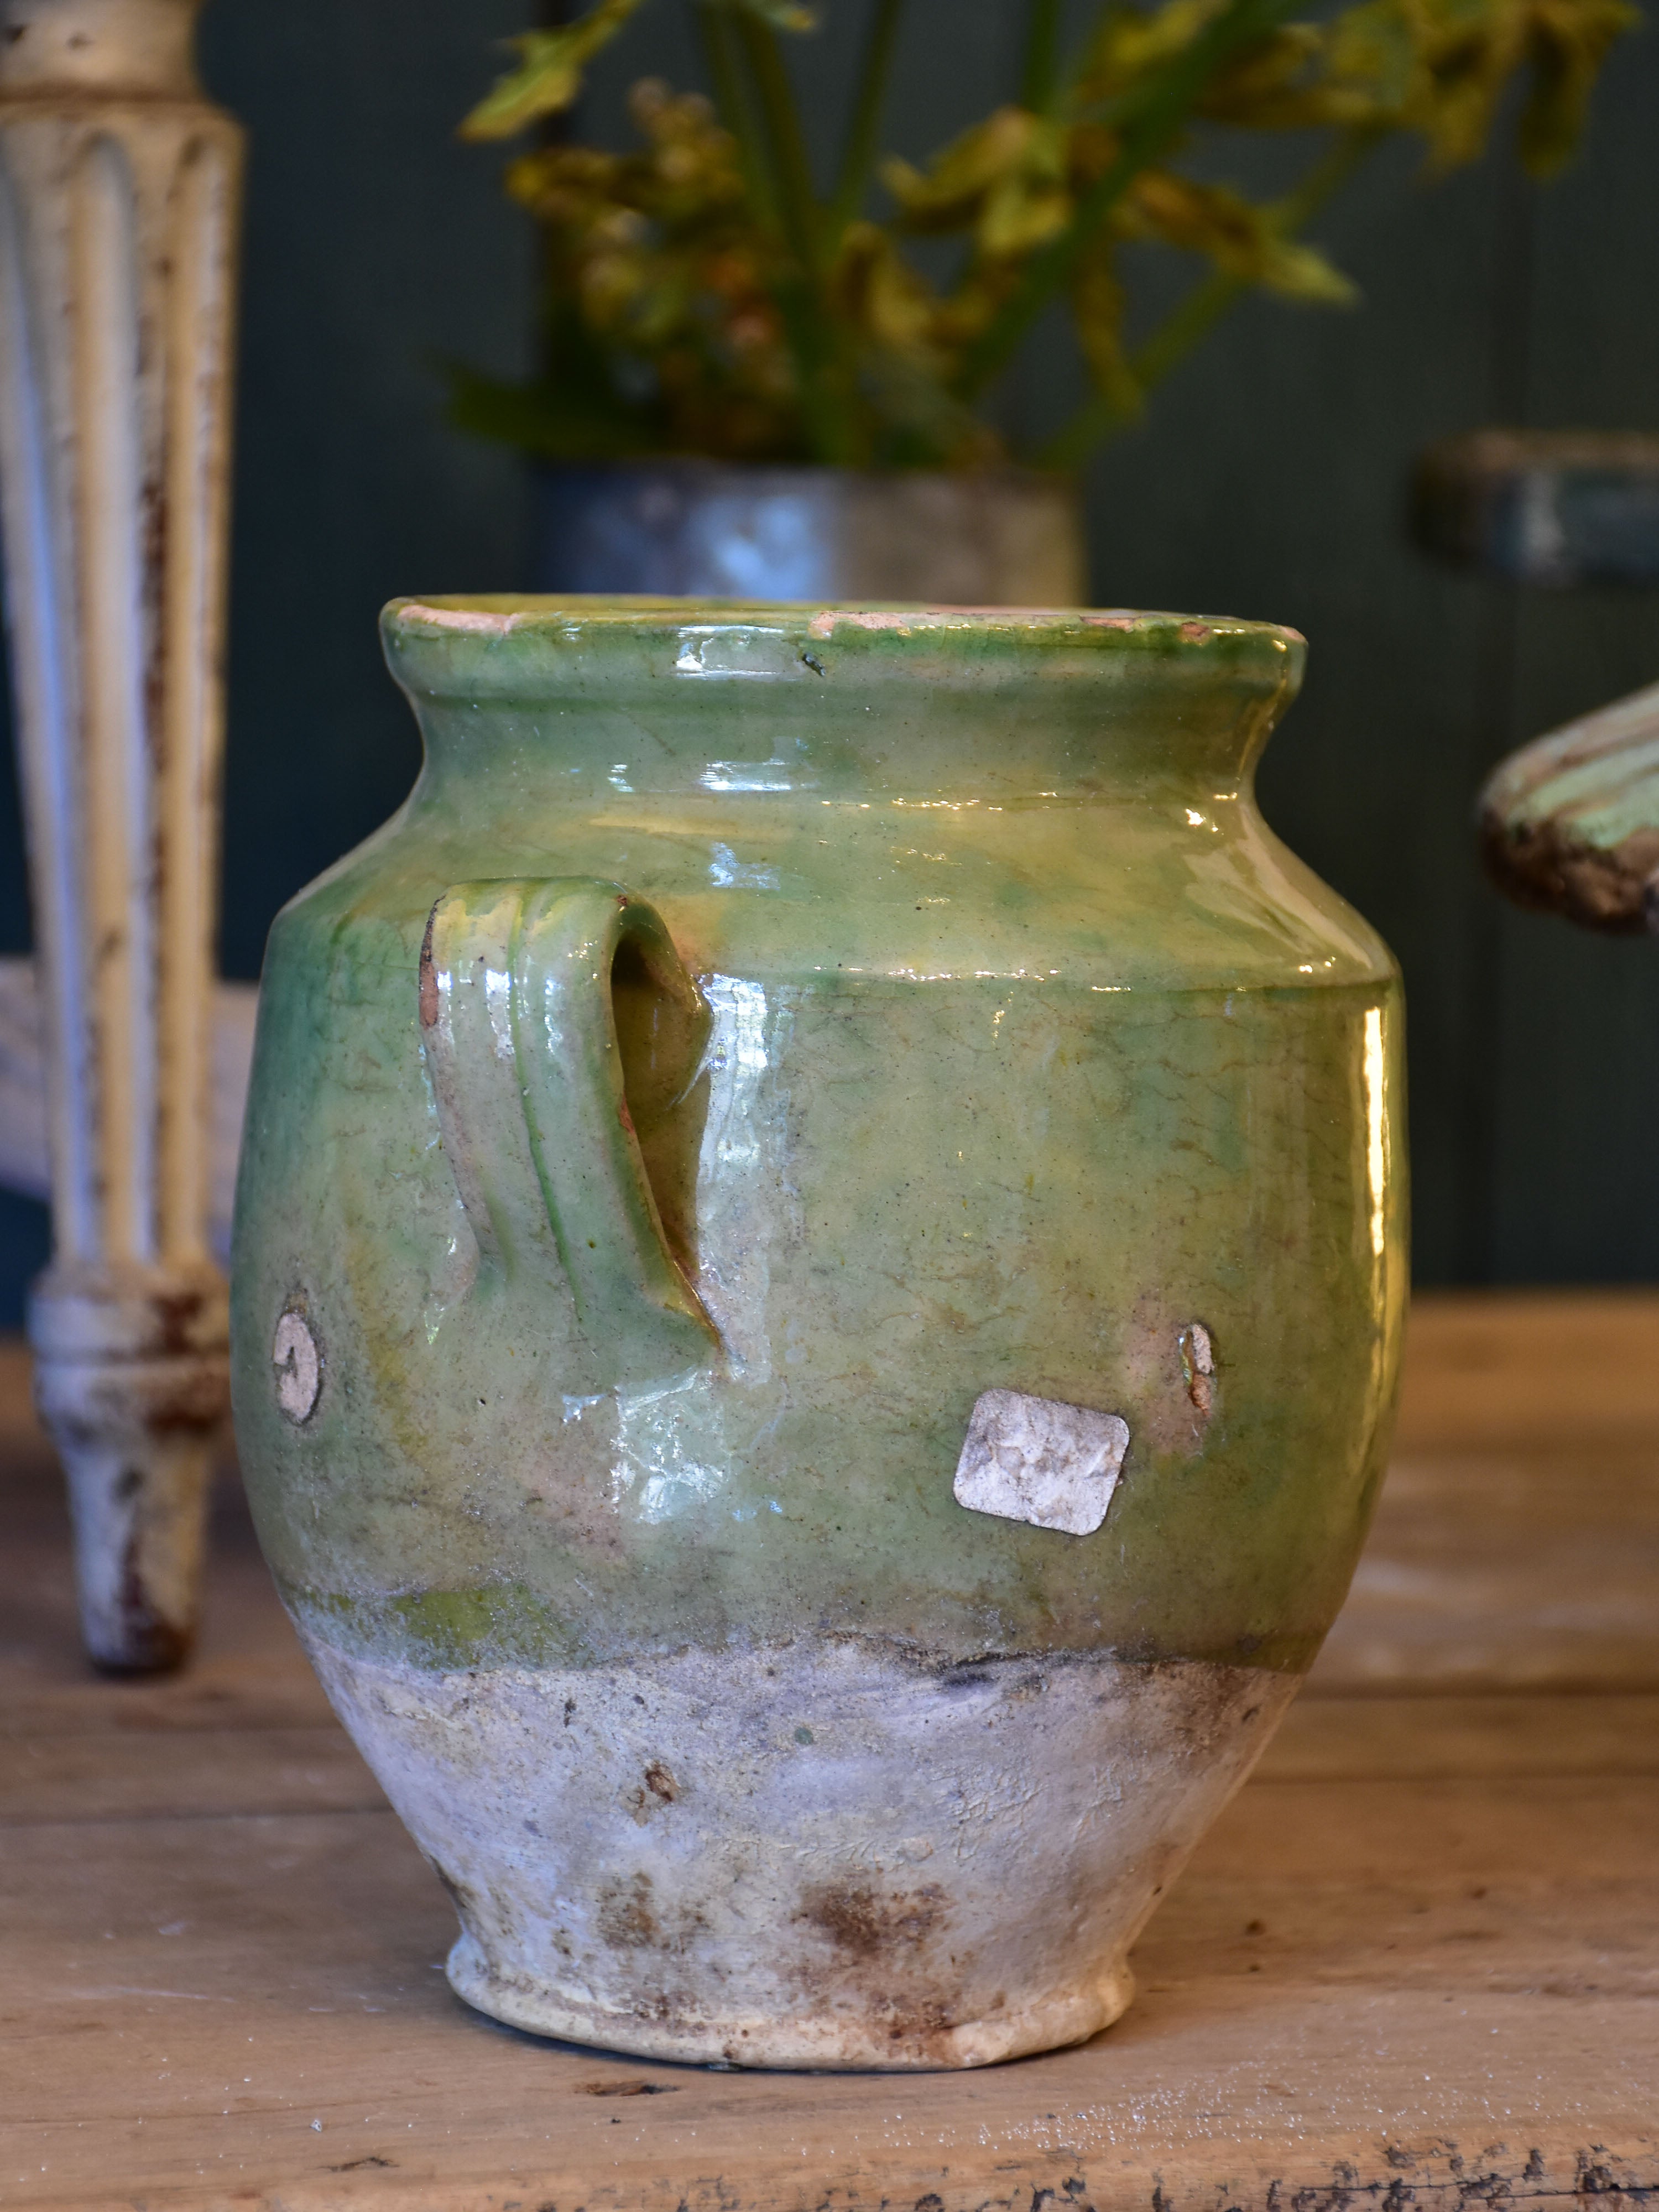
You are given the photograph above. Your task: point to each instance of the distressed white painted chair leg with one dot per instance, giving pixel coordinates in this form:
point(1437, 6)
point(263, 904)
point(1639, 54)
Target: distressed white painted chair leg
point(119, 188)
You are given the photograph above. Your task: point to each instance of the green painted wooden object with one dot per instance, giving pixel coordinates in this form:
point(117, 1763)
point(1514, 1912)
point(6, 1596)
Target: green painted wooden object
point(1569, 824)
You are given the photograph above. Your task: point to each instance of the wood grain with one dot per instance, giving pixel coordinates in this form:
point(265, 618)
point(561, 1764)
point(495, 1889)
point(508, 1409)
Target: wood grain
point(1415, 1965)
point(1516, 1544)
point(1531, 1367)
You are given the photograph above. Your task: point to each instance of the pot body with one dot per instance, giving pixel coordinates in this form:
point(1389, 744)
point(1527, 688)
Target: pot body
point(728, 530)
point(818, 1287)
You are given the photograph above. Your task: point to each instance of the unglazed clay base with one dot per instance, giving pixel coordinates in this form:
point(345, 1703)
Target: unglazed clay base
point(823, 1853)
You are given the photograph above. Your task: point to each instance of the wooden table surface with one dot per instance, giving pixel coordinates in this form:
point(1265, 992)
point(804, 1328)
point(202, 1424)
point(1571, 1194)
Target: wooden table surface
point(1416, 1963)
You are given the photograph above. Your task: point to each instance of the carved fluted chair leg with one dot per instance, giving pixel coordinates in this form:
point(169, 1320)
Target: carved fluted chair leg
point(117, 194)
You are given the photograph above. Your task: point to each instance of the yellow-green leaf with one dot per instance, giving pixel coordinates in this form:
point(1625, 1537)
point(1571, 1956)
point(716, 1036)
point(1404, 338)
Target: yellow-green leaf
point(1571, 40)
point(782, 15)
point(1300, 271)
point(549, 73)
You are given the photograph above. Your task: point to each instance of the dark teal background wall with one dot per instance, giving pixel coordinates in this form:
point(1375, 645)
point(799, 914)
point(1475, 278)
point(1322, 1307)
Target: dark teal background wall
point(1268, 480)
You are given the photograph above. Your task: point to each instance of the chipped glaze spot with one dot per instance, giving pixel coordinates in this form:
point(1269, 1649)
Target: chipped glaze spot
point(1041, 1461)
point(298, 1366)
point(1197, 1367)
point(481, 621)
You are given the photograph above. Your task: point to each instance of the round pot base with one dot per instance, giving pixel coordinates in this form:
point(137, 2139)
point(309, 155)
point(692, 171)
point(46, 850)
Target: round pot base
point(827, 1851)
point(872, 2042)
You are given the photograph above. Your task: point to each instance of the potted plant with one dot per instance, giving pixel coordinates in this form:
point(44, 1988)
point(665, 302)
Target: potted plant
point(750, 385)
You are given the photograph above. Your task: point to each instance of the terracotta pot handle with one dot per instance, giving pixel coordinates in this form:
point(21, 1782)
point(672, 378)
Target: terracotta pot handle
point(564, 1036)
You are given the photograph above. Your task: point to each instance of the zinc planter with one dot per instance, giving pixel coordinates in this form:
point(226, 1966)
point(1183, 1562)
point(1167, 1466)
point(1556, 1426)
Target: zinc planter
point(731, 530)
point(818, 1286)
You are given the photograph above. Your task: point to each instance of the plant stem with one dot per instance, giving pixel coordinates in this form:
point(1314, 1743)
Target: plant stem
point(736, 110)
point(797, 201)
point(808, 322)
point(1040, 78)
point(1150, 120)
point(1328, 174)
point(1203, 307)
point(1105, 412)
point(859, 153)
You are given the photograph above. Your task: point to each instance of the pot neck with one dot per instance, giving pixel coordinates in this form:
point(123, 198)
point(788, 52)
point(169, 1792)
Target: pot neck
point(991, 709)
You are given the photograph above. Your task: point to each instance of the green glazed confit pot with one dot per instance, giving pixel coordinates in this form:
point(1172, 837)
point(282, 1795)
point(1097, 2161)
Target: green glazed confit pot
point(818, 1284)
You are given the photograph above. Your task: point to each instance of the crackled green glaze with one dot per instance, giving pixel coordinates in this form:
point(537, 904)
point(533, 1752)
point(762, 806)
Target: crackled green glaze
point(1029, 1048)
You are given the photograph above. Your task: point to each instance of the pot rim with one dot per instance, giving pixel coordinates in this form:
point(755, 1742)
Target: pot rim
point(458, 644)
point(500, 613)
point(520, 646)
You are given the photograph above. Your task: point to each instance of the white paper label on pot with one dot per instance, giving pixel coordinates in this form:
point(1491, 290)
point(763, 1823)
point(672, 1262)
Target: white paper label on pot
point(1041, 1461)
